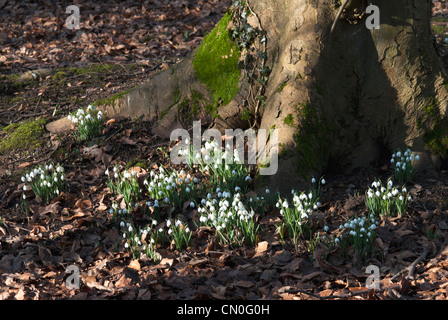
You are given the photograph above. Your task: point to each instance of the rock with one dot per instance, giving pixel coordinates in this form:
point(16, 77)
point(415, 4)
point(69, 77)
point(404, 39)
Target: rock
point(59, 126)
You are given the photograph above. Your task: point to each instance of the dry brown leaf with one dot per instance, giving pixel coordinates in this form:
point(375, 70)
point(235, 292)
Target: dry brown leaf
point(244, 284)
point(261, 248)
point(52, 208)
point(134, 264)
point(20, 295)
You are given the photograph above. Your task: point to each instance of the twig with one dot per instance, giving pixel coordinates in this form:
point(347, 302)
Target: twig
point(412, 267)
point(414, 264)
point(347, 295)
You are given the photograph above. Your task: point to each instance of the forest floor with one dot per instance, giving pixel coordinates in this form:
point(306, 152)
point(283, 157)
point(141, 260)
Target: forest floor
point(112, 53)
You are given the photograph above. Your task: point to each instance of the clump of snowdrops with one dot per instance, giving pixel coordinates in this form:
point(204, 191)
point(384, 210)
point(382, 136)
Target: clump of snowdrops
point(125, 184)
point(358, 232)
point(295, 220)
point(404, 165)
point(387, 200)
point(226, 213)
point(89, 122)
point(47, 182)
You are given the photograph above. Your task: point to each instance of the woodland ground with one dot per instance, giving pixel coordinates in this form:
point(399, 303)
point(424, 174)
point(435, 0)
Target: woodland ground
point(115, 50)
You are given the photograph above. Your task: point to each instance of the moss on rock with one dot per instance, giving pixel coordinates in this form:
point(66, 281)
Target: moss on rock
point(110, 100)
point(216, 63)
point(435, 134)
point(27, 135)
point(311, 140)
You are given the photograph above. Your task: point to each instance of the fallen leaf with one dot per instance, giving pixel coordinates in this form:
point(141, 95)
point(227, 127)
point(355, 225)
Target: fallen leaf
point(244, 284)
point(261, 248)
point(20, 295)
point(23, 165)
point(311, 275)
point(53, 208)
point(134, 264)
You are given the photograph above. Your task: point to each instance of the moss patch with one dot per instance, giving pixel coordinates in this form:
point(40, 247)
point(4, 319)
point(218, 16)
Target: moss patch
point(435, 128)
point(311, 140)
point(282, 86)
point(191, 107)
point(27, 135)
point(92, 68)
point(216, 63)
point(112, 99)
point(138, 163)
point(289, 120)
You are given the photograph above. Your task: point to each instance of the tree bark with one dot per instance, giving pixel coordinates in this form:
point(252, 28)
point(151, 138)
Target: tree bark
point(339, 101)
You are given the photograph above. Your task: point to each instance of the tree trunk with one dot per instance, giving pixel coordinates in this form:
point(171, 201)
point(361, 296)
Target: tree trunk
point(340, 101)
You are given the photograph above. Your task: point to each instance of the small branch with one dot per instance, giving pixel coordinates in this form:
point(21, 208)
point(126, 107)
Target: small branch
point(415, 263)
point(348, 295)
point(412, 267)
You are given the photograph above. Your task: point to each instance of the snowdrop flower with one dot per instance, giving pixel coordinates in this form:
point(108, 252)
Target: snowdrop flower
point(168, 223)
point(326, 228)
point(237, 189)
point(417, 157)
point(336, 240)
point(25, 188)
point(126, 245)
point(313, 180)
point(323, 181)
point(130, 229)
point(192, 204)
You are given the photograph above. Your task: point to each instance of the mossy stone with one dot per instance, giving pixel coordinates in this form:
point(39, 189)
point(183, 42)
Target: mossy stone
point(27, 135)
point(216, 63)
